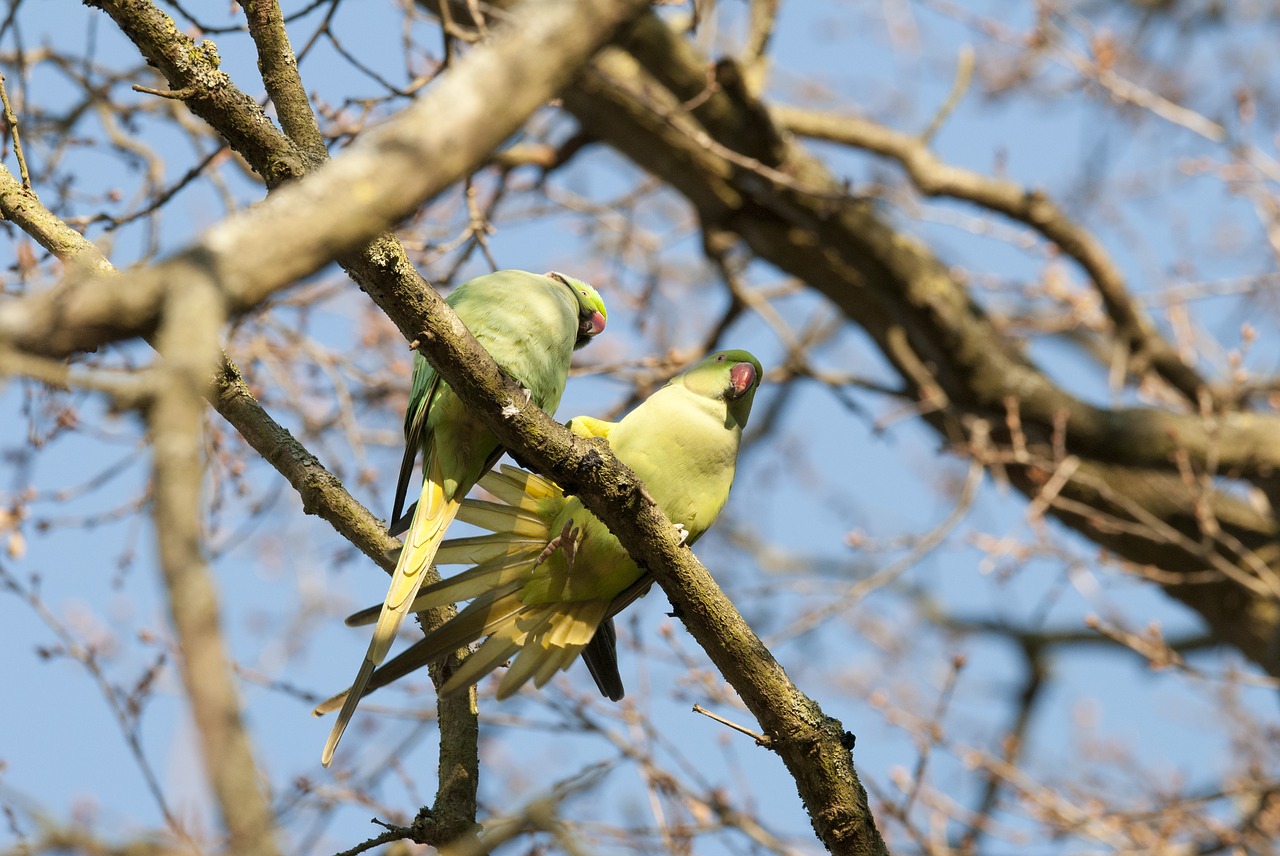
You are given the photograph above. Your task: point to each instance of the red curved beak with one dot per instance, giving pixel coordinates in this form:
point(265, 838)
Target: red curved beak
point(743, 377)
point(592, 326)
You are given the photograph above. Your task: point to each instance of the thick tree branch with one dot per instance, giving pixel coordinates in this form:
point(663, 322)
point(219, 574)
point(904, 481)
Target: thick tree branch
point(279, 69)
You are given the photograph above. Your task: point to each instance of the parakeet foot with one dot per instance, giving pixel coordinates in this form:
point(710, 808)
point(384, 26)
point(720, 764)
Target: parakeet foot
point(567, 541)
point(570, 545)
point(682, 533)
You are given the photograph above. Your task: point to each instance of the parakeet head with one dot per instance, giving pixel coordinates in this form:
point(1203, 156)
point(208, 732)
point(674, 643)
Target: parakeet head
point(591, 312)
point(731, 376)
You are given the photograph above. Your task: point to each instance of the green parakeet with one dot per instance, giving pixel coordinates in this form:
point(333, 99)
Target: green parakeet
point(530, 325)
point(552, 574)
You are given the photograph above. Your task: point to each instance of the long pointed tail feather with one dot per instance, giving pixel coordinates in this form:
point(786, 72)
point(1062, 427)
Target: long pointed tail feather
point(480, 618)
point(434, 513)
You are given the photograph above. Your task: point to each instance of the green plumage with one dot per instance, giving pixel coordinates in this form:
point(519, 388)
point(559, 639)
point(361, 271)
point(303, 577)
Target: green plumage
point(530, 324)
point(552, 574)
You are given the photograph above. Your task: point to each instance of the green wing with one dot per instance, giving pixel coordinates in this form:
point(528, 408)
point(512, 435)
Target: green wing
point(425, 381)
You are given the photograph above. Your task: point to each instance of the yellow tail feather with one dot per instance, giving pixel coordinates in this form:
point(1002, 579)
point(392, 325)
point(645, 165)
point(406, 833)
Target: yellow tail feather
point(518, 488)
point(482, 548)
point(502, 518)
point(434, 514)
point(488, 575)
point(481, 617)
point(550, 638)
point(349, 703)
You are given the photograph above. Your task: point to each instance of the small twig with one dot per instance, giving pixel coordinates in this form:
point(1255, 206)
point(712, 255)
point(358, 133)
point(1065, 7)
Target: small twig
point(763, 18)
point(127, 389)
point(161, 198)
point(446, 34)
point(477, 17)
point(935, 725)
point(479, 225)
point(761, 739)
point(1127, 91)
point(11, 119)
point(393, 833)
point(173, 94)
point(964, 77)
point(712, 87)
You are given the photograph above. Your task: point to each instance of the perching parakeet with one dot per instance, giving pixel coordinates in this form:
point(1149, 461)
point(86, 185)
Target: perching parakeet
point(530, 324)
point(551, 573)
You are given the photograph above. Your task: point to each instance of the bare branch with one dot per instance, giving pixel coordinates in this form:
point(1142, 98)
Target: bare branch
point(188, 343)
point(11, 119)
point(279, 69)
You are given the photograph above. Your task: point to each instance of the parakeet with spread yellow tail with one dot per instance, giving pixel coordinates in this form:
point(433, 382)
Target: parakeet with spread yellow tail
point(547, 581)
point(530, 324)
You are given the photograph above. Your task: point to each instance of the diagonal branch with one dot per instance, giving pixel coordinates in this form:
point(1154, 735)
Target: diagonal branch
point(279, 69)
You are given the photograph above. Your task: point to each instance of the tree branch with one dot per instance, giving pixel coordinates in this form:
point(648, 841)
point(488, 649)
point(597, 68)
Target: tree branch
point(279, 69)
point(188, 343)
